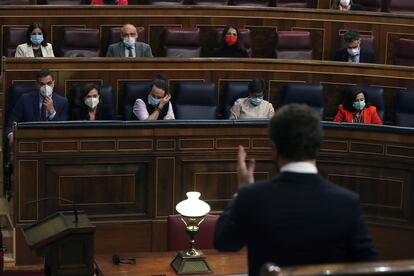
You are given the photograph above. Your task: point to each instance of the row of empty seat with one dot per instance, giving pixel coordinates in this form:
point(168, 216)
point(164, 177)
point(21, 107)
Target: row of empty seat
point(186, 42)
point(199, 100)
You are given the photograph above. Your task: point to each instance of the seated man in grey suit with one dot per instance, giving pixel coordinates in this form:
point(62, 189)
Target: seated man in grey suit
point(129, 47)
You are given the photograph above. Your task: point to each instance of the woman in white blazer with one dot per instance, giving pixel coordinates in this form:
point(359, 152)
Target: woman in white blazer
point(36, 44)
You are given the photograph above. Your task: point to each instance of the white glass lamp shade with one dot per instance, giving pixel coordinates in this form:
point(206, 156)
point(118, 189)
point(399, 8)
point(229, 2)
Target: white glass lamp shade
point(192, 206)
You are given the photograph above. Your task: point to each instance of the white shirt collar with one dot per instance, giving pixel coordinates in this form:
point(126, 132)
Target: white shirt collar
point(299, 167)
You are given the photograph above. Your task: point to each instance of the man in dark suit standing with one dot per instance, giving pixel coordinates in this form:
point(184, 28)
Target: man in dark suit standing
point(297, 217)
point(41, 104)
point(129, 47)
point(353, 52)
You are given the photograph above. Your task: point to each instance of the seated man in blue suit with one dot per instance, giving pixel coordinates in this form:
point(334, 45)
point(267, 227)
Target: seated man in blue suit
point(40, 104)
point(353, 52)
point(129, 46)
point(298, 217)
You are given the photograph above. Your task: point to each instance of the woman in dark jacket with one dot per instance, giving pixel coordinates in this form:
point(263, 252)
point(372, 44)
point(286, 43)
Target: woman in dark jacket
point(90, 106)
point(231, 44)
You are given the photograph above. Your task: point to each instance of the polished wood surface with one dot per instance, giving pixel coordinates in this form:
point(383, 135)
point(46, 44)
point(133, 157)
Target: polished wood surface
point(158, 263)
point(325, 25)
point(128, 176)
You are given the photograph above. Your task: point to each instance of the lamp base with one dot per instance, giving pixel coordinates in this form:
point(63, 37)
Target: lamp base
point(185, 264)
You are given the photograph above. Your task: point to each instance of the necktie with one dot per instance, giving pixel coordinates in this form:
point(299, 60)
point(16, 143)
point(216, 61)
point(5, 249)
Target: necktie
point(43, 113)
point(353, 58)
point(130, 54)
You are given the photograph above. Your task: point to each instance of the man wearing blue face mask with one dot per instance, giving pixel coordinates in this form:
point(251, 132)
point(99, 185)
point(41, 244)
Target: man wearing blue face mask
point(36, 44)
point(353, 52)
point(157, 105)
point(254, 106)
point(129, 46)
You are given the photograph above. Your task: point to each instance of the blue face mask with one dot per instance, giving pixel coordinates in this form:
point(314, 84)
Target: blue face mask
point(359, 105)
point(36, 39)
point(256, 101)
point(153, 101)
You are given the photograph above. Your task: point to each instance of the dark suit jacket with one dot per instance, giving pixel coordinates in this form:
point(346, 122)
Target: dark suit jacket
point(295, 219)
point(103, 112)
point(118, 50)
point(366, 55)
point(27, 109)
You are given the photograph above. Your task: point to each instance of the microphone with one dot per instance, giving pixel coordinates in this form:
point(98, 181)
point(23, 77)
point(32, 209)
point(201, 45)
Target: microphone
point(117, 260)
point(75, 210)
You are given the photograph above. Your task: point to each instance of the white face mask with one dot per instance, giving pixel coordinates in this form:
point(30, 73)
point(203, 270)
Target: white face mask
point(92, 102)
point(129, 41)
point(345, 2)
point(46, 90)
point(353, 51)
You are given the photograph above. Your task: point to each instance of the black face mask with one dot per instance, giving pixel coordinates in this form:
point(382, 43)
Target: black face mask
point(110, 2)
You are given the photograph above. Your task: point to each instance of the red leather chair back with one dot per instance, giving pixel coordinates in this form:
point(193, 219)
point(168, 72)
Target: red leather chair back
point(80, 42)
point(13, 37)
point(178, 238)
point(293, 45)
point(182, 42)
point(400, 6)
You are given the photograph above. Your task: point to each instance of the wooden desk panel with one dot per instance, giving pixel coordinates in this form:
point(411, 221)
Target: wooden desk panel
point(128, 194)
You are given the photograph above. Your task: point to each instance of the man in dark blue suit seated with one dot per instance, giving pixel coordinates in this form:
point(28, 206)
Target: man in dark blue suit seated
point(297, 217)
point(40, 104)
point(353, 52)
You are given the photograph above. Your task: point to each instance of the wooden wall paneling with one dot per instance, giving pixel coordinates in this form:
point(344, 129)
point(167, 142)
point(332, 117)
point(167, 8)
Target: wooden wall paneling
point(374, 163)
point(123, 237)
point(392, 248)
point(27, 189)
point(165, 183)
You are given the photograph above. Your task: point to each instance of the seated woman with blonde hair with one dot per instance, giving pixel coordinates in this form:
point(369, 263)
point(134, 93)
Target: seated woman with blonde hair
point(254, 106)
point(356, 109)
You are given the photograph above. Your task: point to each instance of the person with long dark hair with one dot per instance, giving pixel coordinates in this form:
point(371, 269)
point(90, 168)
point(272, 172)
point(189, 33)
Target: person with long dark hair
point(90, 106)
point(357, 109)
point(231, 44)
point(36, 43)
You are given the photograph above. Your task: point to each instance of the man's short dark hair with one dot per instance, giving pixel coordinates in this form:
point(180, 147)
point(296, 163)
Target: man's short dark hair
point(161, 82)
point(43, 73)
point(350, 36)
point(257, 85)
point(296, 132)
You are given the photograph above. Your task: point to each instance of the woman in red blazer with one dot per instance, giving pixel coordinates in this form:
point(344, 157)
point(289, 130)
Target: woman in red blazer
point(356, 109)
point(110, 2)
